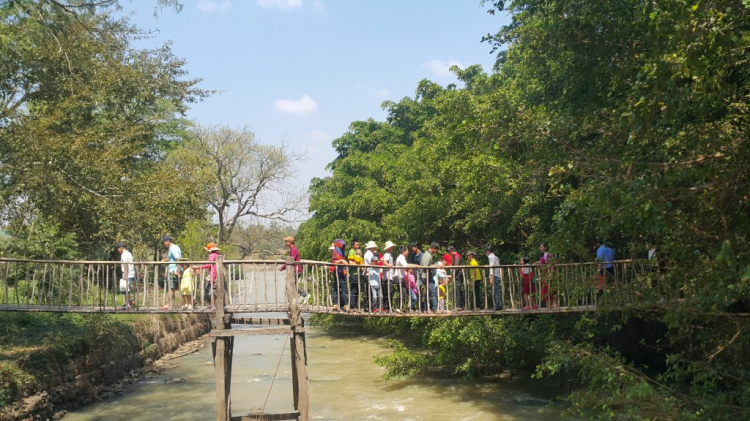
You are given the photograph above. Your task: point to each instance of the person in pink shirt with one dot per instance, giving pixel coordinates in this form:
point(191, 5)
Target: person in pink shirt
point(213, 254)
point(294, 254)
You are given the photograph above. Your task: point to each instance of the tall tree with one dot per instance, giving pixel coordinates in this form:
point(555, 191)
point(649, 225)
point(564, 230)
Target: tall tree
point(239, 177)
point(86, 121)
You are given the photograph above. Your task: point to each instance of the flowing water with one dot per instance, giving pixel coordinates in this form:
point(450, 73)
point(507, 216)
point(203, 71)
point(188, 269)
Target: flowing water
point(344, 385)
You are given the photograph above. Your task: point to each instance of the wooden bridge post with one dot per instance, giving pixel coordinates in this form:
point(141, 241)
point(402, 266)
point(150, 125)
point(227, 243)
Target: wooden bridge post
point(223, 348)
point(297, 344)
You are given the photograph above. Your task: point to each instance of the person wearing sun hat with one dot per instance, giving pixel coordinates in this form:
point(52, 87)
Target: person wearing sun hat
point(294, 254)
point(213, 254)
point(373, 275)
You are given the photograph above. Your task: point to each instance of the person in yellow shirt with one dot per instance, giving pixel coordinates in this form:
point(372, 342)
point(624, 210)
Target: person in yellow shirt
point(442, 294)
point(476, 276)
point(186, 286)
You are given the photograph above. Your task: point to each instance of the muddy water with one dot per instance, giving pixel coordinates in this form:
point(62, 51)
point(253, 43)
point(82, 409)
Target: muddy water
point(344, 384)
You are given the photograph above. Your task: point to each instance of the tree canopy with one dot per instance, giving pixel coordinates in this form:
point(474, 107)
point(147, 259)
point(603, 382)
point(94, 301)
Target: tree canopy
point(86, 122)
point(624, 120)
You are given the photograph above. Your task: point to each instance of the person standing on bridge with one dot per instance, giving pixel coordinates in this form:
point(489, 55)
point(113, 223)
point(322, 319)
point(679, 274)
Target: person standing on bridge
point(373, 276)
point(431, 298)
point(529, 288)
point(605, 255)
point(173, 272)
point(294, 254)
point(213, 254)
point(187, 286)
point(402, 278)
point(458, 278)
point(494, 275)
point(356, 276)
point(391, 276)
point(545, 261)
point(128, 274)
point(476, 276)
point(340, 296)
point(416, 259)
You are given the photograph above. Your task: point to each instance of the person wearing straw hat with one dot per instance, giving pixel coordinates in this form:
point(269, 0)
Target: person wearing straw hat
point(391, 276)
point(128, 274)
point(373, 275)
point(213, 254)
point(186, 284)
point(294, 254)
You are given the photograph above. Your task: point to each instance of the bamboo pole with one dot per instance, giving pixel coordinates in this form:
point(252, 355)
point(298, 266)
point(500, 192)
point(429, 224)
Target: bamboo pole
point(297, 345)
point(222, 349)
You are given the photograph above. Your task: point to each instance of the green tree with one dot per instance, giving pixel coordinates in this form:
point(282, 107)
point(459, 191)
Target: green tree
point(86, 121)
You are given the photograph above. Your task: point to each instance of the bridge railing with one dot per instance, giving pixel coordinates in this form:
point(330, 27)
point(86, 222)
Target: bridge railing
point(564, 286)
point(257, 286)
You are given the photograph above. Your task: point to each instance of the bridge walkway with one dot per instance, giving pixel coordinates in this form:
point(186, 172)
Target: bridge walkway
point(258, 286)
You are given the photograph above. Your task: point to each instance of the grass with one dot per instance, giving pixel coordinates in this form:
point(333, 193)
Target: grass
point(36, 346)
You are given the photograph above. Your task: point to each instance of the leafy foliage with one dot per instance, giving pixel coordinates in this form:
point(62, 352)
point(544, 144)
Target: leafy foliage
point(86, 121)
point(625, 120)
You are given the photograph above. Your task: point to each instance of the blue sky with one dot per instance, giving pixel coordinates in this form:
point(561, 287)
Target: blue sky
point(301, 71)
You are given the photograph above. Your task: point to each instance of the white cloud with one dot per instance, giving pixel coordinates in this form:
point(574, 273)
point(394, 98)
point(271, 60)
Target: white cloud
point(379, 92)
point(304, 105)
point(440, 67)
point(281, 4)
point(319, 6)
point(207, 6)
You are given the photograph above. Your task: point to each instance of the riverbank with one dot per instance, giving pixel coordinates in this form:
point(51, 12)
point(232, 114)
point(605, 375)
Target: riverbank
point(52, 363)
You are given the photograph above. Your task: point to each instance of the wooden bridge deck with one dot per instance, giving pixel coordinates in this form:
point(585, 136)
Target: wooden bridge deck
point(284, 308)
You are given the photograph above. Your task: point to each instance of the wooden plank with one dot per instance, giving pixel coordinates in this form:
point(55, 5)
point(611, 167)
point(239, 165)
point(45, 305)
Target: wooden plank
point(268, 417)
point(300, 380)
point(223, 348)
point(259, 321)
point(250, 332)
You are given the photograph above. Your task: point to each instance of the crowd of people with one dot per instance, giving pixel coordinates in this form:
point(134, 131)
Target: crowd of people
point(408, 278)
point(180, 276)
point(403, 278)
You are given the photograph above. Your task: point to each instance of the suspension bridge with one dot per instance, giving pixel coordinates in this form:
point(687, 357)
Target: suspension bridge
point(243, 287)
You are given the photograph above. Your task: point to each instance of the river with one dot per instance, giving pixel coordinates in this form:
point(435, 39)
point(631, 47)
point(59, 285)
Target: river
point(344, 385)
